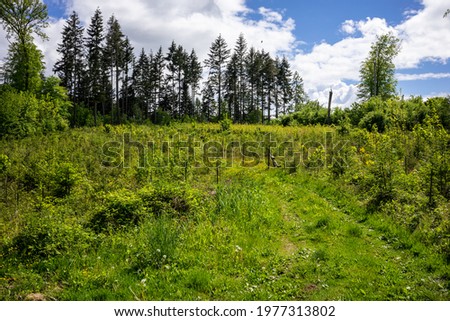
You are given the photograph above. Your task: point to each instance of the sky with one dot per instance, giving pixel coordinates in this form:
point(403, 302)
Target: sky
point(324, 40)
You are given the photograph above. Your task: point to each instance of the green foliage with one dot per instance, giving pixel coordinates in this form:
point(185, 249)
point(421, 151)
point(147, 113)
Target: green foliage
point(225, 123)
point(309, 113)
point(4, 163)
point(160, 238)
point(48, 235)
point(24, 66)
point(23, 114)
point(121, 209)
point(64, 179)
point(75, 230)
point(377, 72)
point(174, 201)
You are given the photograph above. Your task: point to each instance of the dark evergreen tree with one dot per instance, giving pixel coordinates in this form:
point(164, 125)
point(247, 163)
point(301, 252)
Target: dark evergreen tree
point(158, 67)
point(193, 74)
point(284, 88)
point(70, 67)
point(268, 74)
point(240, 51)
point(128, 58)
point(114, 56)
point(95, 71)
point(299, 96)
point(253, 66)
point(141, 84)
point(231, 83)
point(217, 60)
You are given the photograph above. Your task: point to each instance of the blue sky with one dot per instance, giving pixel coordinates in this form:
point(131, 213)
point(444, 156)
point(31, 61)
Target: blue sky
point(325, 40)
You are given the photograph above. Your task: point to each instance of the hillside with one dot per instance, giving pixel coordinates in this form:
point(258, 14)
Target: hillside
point(193, 212)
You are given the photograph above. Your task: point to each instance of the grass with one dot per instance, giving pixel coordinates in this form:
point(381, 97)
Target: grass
point(259, 234)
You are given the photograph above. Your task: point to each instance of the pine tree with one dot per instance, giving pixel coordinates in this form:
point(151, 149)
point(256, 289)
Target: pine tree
point(128, 58)
point(95, 71)
point(157, 72)
point(253, 63)
point(70, 67)
point(284, 80)
point(268, 74)
point(171, 95)
point(240, 51)
point(193, 74)
point(299, 95)
point(231, 84)
point(216, 62)
point(114, 54)
point(141, 83)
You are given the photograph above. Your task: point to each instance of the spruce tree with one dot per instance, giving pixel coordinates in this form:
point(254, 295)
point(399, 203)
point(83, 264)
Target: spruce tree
point(284, 80)
point(157, 70)
point(141, 84)
point(217, 59)
point(240, 51)
point(193, 74)
point(70, 67)
point(95, 71)
point(114, 55)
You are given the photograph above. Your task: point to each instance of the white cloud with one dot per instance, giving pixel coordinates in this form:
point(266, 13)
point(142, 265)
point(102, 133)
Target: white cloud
point(195, 24)
point(423, 76)
point(192, 23)
point(348, 27)
point(425, 36)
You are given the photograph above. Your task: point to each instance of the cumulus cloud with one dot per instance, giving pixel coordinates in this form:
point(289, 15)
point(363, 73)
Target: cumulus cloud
point(196, 23)
point(348, 27)
point(193, 23)
point(424, 36)
point(423, 76)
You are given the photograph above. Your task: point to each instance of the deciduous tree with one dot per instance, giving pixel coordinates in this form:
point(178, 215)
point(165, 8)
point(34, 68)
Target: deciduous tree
point(377, 71)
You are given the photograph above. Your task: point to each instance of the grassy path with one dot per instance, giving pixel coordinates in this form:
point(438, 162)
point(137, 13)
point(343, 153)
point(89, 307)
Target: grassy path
point(337, 256)
point(259, 235)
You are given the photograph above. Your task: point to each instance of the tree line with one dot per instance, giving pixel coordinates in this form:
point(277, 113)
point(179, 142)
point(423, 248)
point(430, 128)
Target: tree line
point(103, 75)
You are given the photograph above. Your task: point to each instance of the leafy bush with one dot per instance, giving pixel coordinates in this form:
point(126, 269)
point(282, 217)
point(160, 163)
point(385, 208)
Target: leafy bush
point(121, 209)
point(172, 200)
point(48, 236)
point(225, 123)
point(4, 163)
point(64, 179)
point(23, 113)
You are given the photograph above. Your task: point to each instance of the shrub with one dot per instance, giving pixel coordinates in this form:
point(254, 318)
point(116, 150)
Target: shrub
point(48, 236)
point(23, 113)
point(64, 179)
point(171, 200)
point(121, 209)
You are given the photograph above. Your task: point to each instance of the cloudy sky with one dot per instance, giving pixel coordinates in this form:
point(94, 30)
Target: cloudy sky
point(325, 40)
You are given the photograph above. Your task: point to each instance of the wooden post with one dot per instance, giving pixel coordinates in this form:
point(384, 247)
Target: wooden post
point(330, 97)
